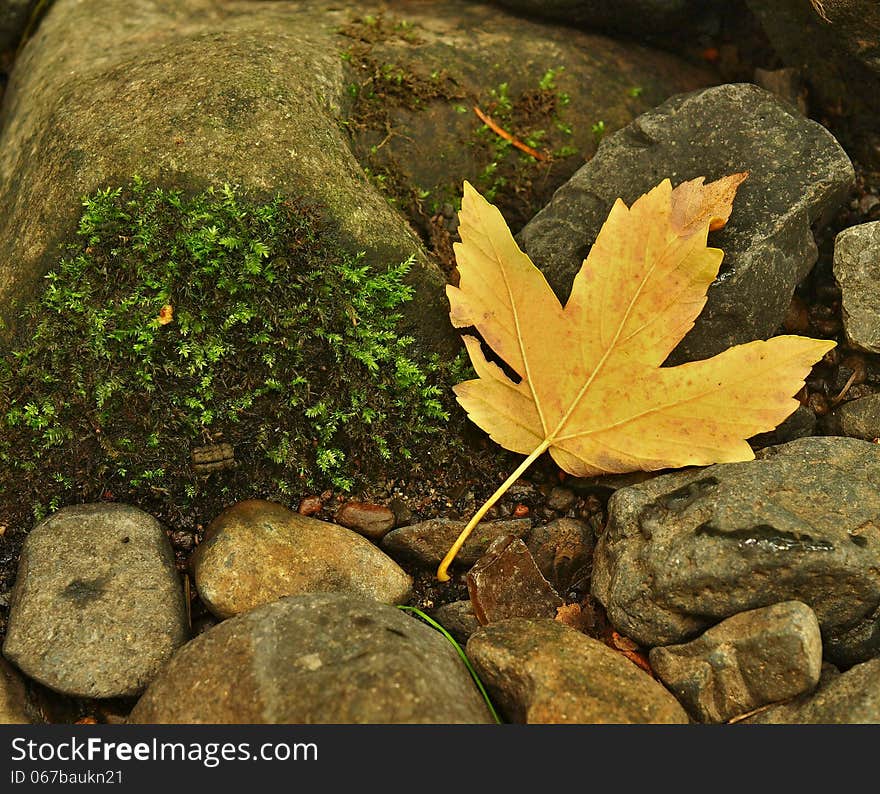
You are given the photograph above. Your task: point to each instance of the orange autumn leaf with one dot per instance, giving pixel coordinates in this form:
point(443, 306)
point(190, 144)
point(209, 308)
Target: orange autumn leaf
point(166, 314)
point(588, 385)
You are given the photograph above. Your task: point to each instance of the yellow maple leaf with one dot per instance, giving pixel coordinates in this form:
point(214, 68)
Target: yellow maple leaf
point(590, 387)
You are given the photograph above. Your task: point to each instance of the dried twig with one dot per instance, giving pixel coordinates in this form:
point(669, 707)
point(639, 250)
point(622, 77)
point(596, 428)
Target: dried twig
point(492, 125)
point(839, 399)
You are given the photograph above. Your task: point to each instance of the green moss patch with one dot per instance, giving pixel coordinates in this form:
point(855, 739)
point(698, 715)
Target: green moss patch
point(176, 322)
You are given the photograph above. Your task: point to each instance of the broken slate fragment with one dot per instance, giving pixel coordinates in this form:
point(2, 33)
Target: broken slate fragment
point(506, 583)
point(798, 175)
point(749, 660)
point(427, 542)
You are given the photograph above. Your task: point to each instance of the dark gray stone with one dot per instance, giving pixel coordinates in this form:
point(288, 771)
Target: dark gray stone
point(97, 606)
point(686, 550)
point(427, 542)
point(320, 658)
point(849, 698)
point(800, 424)
point(798, 175)
point(257, 551)
point(458, 619)
point(749, 660)
point(540, 671)
point(857, 270)
point(858, 418)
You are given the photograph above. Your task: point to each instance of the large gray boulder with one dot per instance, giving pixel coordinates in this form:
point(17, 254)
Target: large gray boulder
point(320, 658)
point(185, 93)
point(685, 550)
point(97, 606)
point(798, 175)
point(260, 94)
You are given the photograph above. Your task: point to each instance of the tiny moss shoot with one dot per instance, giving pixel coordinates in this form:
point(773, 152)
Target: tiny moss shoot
point(177, 321)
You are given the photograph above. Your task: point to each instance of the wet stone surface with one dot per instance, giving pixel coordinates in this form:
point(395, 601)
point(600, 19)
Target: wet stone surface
point(427, 542)
point(749, 660)
point(539, 671)
point(798, 174)
point(97, 607)
point(686, 550)
point(257, 551)
point(320, 658)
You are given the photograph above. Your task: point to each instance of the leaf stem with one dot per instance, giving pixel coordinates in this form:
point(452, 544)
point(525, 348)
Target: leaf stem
point(442, 574)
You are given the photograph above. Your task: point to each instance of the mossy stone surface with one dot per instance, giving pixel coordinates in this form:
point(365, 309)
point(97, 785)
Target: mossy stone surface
point(186, 94)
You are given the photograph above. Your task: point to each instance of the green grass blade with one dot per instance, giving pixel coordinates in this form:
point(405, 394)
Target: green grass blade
point(467, 662)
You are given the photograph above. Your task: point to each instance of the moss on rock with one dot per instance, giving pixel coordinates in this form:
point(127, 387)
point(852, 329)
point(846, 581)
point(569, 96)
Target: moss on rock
point(177, 321)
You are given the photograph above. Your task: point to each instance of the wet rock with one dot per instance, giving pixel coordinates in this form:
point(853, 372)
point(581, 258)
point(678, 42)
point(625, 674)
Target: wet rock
point(458, 619)
point(855, 643)
point(256, 551)
point(686, 550)
point(371, 521)
point(539, 671)
point(563, 551)
point(506, 583)
point(852, 697)
point(427, 542)
point(97, 607)
point(402, 514)
point(800, 424)
point(320, 658)
point(749, 660)
point(798, 175)
point(637, 18)
point(858, 418)
point(857, 270)
point(15, 708)
point(835, 44)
